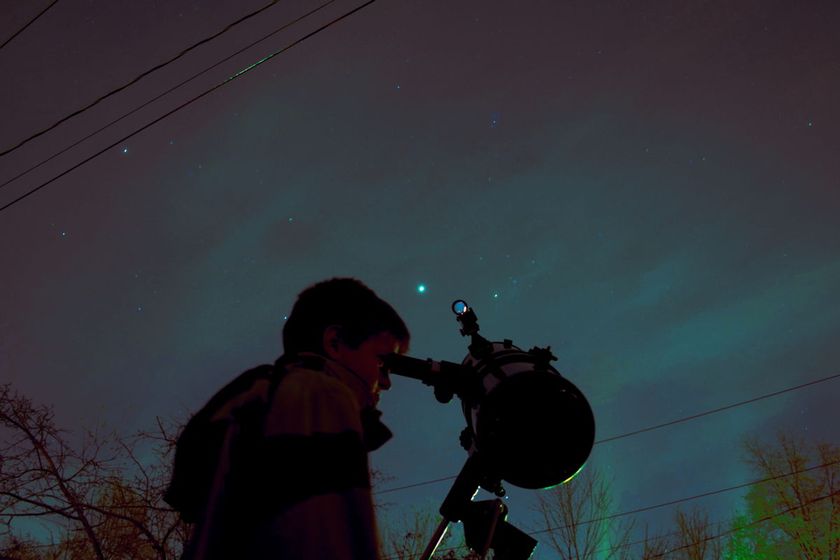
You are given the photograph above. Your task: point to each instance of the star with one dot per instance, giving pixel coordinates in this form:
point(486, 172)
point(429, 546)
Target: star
point(494, 120)
point(421, 288)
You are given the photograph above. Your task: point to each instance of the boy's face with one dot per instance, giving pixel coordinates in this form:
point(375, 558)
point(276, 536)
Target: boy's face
point(366, 360)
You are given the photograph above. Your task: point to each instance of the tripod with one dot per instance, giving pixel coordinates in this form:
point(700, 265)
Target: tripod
point(485, 524)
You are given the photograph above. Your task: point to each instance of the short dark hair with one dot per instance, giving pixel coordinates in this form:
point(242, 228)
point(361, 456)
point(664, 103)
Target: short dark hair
point(345, 302)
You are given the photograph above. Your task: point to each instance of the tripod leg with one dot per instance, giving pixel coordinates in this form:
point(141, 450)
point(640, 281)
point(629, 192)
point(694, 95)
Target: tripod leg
point(499, 510)
point(436, 538)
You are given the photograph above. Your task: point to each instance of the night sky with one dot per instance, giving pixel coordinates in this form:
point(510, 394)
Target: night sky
point(653, 191)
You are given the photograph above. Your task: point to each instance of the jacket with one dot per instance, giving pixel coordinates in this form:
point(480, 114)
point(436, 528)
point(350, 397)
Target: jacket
point(291, 476)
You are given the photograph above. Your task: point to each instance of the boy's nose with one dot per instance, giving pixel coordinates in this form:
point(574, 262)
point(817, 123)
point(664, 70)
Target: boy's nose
point(384, 380)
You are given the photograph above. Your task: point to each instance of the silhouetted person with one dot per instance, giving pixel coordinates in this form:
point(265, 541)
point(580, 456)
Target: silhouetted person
point(275, 464)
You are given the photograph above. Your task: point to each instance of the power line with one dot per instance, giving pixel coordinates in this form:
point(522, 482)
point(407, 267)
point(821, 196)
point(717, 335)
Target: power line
point(690, 498)
point(168, 91)
point(713, 537)
point(756, 522)
point(188, 102)
point(681, 500)
point(424, 483)
point(138, 78)
point(722, 408)
point(651, 428)
point(643, 541)
point(30, 22)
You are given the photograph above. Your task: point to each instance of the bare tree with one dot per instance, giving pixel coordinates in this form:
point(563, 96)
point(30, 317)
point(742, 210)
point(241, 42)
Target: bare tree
point(408, 540)
point(41, 475)
point(747, 541)
point(99, 497)
point(696, 537)
point(801, 510)
point(653, 546)
point(577, 515)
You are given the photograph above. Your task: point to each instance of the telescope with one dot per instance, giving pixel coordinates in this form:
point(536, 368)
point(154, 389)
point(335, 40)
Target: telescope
point(526, 425)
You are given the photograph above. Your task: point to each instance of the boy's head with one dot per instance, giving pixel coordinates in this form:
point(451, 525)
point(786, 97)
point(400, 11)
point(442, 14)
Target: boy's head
point(340, 311)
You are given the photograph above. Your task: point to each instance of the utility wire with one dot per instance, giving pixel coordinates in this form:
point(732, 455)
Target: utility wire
point(735, 530)
point(188, 102)
point(168, 91)
point(651, 428)
point(690, 498)
point(721, 409)
point(681, 500)
point(31, 21)
point(425, 482)
point(756, 522)
point(643, 541)
point(138, 78)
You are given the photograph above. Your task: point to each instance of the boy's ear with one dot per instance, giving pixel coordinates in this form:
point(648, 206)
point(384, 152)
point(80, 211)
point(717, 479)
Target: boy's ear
point(331, 340)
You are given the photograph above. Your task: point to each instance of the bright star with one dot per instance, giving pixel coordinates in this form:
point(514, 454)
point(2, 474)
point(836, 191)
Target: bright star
point(125, 150)
point(421, 288)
